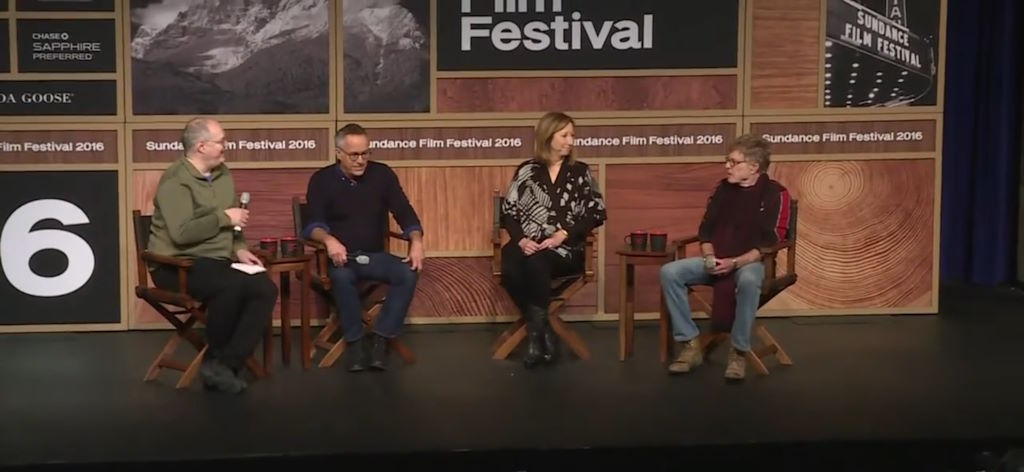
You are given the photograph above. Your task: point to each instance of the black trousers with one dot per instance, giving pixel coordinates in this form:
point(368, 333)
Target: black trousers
point(239, 306)
point(528, 278)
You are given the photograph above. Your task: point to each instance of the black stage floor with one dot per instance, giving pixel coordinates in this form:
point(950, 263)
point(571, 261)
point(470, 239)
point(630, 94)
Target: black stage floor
point(929, 391)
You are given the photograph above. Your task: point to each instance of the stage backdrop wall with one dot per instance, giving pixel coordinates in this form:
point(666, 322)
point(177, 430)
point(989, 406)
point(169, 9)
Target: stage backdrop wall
point(93, 96)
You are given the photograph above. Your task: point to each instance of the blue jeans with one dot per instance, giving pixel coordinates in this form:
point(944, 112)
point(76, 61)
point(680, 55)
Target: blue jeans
point(382, 267)
point(677, 275)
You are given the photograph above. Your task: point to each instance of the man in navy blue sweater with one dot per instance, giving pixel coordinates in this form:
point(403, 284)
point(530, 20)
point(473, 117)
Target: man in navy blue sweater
point(348, 206)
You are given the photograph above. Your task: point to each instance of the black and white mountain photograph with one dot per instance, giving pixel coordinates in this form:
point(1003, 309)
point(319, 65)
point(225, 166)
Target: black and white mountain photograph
point(386, 48)
point(229, 57)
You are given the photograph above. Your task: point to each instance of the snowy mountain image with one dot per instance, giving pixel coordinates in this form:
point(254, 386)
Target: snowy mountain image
point(386, 56)
point(230, 56)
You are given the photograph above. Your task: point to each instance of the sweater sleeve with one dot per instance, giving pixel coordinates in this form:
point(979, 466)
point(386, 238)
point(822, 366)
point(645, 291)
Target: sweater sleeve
point(400, 207)
point(594, 211)
point(707, 223)
point(316, 207)
point(508, 219)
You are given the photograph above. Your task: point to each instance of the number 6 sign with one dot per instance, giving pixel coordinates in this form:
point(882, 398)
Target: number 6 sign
point(60, 260)
point(18, 242)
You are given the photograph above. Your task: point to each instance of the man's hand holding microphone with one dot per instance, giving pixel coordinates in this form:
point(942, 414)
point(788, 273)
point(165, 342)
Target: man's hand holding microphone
point(239, 218)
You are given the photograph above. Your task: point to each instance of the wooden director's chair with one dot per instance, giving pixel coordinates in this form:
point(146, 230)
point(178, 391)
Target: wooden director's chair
point(182, 305)
point(773, 285)
point(562, 288)
point(371, 293)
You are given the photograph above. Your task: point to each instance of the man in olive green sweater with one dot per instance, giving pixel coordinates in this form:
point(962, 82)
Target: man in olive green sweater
point(196, 217)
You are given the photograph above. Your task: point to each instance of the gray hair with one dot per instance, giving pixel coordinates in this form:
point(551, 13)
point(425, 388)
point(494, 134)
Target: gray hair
point(755, 149)
point(349, 129)
point(196, 131)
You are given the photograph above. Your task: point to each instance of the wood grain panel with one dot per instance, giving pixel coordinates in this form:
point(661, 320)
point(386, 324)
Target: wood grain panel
point(454, 204)
point(654, 197)
point(785, 53)
point(865, 228)
point(58, 146)
point(242, 145)
point(848, 137)
point(538, 94)
point(463, 287)
point(396, 144)
point(865, 233)
point(459, 287)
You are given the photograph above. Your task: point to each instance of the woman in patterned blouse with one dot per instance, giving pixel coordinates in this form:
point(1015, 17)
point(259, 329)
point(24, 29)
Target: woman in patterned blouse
point(551, 206)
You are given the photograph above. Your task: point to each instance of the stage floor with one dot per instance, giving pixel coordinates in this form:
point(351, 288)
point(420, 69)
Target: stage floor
point(954, 378)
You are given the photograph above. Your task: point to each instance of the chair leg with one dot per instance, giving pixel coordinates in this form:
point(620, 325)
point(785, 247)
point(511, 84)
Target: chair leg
point(509, 339)
point(333, 354)
point(664, 332)
point(255, 367)
point(518, 334)
point(708, 341)
point(403, 351)
point(165, 354)
point(322, 339)
point(570, 337)
point(192, 370)
point(769, 340)
point(756, 362)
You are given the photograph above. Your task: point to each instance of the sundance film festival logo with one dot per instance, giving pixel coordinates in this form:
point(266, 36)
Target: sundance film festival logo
point(563, 30)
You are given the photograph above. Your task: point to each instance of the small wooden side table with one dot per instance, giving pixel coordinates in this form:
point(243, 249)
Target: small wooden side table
point(628, 260)
point(302, 266)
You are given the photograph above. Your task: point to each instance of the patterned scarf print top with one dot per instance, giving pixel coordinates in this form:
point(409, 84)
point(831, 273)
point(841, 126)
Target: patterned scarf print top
point(541, 207)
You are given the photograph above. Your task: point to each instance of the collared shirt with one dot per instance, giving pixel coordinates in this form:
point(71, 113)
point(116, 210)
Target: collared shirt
point(355, 211)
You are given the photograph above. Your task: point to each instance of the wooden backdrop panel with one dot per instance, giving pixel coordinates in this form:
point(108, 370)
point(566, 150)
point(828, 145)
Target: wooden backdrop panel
point(865, 235)
point(540, 94)
point(454, 204)
point(865, 228)
point(834, 137)
point(663, 197)
point(462, 287)
point(59, 146)
point(785, 52)
point(241, 145)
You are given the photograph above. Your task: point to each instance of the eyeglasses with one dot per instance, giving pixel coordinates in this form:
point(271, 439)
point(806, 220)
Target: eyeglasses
point(354, 156)
point(733, 163)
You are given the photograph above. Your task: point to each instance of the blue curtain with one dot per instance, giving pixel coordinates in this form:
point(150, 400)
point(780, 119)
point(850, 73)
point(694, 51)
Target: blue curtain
point(981, 141)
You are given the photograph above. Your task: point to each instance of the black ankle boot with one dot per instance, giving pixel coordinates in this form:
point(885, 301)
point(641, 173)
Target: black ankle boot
point(550, 343)
point(356, 354)
point(534, 336)
point(534, 348)
point(379, 353)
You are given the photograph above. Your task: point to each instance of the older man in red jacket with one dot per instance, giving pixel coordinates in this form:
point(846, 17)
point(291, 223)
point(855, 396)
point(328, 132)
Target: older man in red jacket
point(748, 210)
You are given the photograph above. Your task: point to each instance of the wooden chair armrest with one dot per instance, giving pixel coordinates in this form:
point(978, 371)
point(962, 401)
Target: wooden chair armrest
point(319, 246)
point(680, 243)
point(263, 254)
point(678, 246)
point(166, 260)
point(772, 250)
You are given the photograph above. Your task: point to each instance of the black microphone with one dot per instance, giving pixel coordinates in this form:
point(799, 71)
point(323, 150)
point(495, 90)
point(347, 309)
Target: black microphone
point(244, 204)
